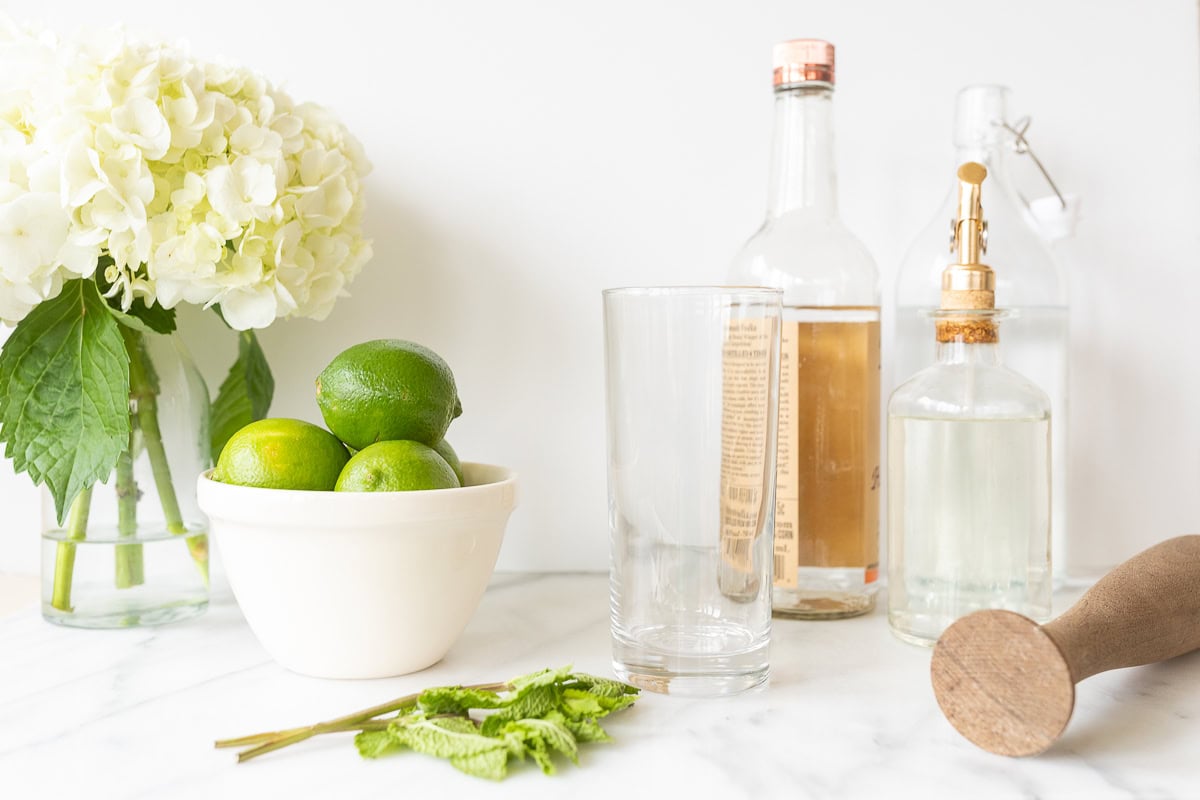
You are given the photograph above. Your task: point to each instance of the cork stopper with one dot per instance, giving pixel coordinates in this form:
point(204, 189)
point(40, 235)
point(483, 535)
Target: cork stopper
point(968, 285)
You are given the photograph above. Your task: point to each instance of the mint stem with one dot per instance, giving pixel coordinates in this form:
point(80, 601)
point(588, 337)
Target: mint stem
point(129, 557)
point(269, 742)
point(64, 556)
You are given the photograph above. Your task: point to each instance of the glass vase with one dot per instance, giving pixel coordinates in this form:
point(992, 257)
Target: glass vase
point(133, 549)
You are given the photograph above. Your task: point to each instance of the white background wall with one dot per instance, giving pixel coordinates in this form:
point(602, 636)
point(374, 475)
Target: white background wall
point(529, 154)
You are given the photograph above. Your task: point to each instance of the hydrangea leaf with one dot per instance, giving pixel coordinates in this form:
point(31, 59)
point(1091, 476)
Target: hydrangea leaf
point(152, 319)
point(139, 316)
point(64, 393)
point(245, 394)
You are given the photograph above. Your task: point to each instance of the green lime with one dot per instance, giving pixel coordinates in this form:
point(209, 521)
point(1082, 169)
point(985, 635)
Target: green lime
point(396, 466)
point(282, 454)
point(444, 450)
point(388, 389)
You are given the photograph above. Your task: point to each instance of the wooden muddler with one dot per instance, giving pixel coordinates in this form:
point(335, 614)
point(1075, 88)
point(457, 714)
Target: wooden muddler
point(1008, 684)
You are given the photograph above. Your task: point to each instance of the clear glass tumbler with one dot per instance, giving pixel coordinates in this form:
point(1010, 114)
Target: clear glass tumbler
point(692, 378)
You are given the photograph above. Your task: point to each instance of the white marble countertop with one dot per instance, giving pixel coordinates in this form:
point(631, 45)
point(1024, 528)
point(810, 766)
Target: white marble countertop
point(848, 713)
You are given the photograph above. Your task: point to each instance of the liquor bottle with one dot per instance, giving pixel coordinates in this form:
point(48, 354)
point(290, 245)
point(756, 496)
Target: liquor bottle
point(827, 489)
point(1031, 284)
point(968, 460)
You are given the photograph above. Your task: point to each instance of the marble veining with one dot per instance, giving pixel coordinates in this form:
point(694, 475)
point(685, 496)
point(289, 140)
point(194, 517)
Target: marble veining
point(848, 713)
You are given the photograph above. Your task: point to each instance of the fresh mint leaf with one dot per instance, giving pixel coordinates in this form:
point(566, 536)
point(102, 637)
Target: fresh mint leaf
point(586, 730)
point(542, 737)
point(458, 740)
point(245, 394)
point(373, 744)
point(579, 703)
point(456, 700)
point(604, 687)
point(64, 393)
point(537, 716)
point(543, 677)
point(531, 702)
point(490, 764)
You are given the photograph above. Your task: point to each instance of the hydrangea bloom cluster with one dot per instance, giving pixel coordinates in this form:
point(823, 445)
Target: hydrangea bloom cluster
point(183, 181)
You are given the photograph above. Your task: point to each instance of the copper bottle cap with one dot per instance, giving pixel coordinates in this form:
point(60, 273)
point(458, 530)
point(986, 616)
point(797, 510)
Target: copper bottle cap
point(803, 61)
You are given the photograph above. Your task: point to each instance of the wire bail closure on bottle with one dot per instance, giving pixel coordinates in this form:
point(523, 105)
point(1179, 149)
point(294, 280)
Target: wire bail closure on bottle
point(1022, 147)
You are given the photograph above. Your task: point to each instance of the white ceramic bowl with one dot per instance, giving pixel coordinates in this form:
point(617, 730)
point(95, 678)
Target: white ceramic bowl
point(360, 585)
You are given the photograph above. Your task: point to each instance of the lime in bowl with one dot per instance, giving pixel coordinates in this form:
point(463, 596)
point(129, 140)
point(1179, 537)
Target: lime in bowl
point(360, 584)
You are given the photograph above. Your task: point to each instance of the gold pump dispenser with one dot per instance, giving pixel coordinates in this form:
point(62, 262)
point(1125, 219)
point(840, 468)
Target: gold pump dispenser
point(968, 285)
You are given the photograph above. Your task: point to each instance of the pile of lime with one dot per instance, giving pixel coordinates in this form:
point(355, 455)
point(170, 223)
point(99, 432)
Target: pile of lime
point(389, 401)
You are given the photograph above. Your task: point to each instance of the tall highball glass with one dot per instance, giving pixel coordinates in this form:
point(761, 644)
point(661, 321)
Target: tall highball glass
point(692, 376)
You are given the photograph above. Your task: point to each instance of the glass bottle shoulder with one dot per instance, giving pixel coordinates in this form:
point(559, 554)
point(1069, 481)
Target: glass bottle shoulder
point(969, 391)
point(813, 257)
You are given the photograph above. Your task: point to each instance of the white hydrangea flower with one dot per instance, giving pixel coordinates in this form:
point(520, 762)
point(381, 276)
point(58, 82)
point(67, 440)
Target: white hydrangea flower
point(201, 182)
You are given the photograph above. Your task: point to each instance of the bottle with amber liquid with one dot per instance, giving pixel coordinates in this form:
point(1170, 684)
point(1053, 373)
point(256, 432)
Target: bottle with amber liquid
point(827, 488)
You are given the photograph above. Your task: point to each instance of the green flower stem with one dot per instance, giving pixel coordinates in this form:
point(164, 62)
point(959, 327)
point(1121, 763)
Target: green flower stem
point(64, 557)
point(130, 564)
point(144, 395)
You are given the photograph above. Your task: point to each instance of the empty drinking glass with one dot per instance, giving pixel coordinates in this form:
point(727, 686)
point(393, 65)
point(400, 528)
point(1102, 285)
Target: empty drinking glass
point(692, 379)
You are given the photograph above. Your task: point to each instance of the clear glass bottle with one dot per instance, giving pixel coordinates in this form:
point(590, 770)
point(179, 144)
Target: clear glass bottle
point(969, 462)
point(1032, 285)
point(827, 501)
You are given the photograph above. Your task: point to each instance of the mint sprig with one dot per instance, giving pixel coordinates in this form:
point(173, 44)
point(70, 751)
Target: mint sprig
point(478, 729)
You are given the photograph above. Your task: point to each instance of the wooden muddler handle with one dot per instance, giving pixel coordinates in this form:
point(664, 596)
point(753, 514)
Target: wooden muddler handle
point(1145, 610)
point(1008, 684)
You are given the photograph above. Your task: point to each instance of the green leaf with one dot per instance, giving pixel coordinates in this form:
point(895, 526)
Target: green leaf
point(245, 394)
point(490, 764)
point(543, 677)
point(373, 744)
point(141, 317)
point(541, 737)
point(155, 319)
point(64, 393)
point(604, 687)
point(456, 700)
point(533, 701)
point(578, 703)
point(458, 740)
point(543, 713)
point(586, 730)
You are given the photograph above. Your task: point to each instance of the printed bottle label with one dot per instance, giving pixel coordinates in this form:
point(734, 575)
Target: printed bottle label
point(745, 392)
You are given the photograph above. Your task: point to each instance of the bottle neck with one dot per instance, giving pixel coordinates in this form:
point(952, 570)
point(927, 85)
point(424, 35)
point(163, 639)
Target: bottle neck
point(960, 352)
point(802, 165)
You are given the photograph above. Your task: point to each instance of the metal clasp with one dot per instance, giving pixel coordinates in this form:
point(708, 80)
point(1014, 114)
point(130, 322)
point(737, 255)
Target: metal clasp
point(1021, 147)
